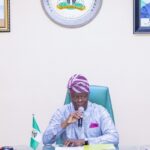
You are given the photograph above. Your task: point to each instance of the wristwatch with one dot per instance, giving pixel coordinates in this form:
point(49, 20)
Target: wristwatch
point(86, 142)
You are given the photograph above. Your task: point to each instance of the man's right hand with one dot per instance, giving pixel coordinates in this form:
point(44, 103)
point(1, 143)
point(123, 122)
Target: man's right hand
point(73, 117)
point(74, 142)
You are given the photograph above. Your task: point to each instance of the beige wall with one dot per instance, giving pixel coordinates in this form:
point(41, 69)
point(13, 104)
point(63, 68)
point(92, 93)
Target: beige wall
point(37, 57)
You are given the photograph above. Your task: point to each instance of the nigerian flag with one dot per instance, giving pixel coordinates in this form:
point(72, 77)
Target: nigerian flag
point(36, 135)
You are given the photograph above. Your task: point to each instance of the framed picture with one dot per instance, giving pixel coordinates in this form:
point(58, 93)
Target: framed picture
point(4, 15)
point(141, 16)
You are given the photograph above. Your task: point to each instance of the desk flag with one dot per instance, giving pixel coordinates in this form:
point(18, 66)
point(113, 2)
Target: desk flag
point(36, 134)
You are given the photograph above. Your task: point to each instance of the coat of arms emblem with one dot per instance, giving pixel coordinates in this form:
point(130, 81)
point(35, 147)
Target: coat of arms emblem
point(71, 4)
point(71, 13)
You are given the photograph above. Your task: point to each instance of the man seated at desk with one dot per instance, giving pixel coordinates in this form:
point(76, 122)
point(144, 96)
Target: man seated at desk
point(94, 126)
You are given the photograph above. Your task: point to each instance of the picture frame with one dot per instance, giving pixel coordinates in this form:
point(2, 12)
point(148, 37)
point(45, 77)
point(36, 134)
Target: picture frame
point(4, 15)
point(141, 16)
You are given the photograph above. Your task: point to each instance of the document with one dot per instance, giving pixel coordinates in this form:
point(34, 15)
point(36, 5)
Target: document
point(89, 147)
point(100, 147)
point(69, 148)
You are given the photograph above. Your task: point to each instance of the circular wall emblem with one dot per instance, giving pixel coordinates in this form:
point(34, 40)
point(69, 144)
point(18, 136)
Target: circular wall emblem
point(71, 13)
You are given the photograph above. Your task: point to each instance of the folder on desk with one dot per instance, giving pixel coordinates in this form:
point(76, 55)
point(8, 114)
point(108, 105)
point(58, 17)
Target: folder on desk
point(99, 147)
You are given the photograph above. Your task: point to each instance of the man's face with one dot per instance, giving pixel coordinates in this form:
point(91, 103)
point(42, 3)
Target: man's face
point(79, 99)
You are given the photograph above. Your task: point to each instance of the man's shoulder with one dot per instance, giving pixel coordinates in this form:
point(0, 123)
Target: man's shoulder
point(66, 107)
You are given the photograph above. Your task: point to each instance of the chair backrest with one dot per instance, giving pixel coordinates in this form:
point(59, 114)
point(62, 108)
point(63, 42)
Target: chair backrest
point(99, 95)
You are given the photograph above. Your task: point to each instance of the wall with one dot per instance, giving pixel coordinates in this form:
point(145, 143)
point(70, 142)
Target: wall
point(37, 58)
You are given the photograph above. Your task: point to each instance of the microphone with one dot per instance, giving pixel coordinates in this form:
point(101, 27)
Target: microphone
point(80, 109)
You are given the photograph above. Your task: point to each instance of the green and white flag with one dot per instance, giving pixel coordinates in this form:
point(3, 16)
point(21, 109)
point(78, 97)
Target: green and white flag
point(36, 135)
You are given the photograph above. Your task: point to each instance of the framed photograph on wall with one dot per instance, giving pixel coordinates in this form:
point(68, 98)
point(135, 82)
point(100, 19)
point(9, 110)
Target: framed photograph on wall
point(4, 15)
point(141, 16)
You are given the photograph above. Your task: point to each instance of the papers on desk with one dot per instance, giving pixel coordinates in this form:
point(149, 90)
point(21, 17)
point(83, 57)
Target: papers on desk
point(89, 147)
point(100, 147)
point(69, 148)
